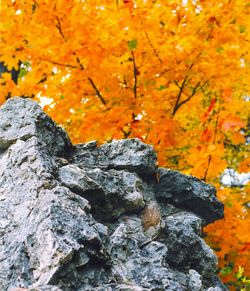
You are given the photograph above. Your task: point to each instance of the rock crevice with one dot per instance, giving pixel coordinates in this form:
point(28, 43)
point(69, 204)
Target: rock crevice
point(83, 217)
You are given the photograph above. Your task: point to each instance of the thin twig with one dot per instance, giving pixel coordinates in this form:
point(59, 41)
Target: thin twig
point(80, 64)
point(214, 141)
point(208, 165)
point(126, 134)
point(176, 106)
point(59, 27)
point(43, 79)
point(59, 64)
point(135, 75)
point(117, 4)
point(177, 84)
point(179, 103)
point(194, 91)
point(98, 93)
point(150, 42)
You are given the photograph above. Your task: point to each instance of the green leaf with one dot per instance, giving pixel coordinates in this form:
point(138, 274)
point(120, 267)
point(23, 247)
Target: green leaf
point(26, 64)
point(220, 49)
point(228, 204)
point(62, 97)
point(132, 44)
point(226, 270)
point(22, 72)
point(24, 69)
point(162, 87)
point(242, 28)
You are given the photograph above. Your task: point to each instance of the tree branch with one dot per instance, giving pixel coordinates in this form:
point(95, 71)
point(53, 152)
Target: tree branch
point(117, 4)
point(208, 165)
point(80, 64)
point(59, 27)
point(150, 43)
point(214, 141)
point(135, 75)
point(179, 103)
point(59, 64)
point(126, 134)
point(195, 89)
point(176, 106)
point(177, 84)
point(98, 93)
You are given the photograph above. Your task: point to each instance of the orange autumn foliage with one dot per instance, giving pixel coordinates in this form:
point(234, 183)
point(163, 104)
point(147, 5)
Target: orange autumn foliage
point(172, 73)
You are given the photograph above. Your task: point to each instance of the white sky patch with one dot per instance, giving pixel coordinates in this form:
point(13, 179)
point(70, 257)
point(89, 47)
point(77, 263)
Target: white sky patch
point(26, 67)
point(184, 2)
point(198, 9)
point(85, 100)
point(179, 47)
point(55, 70)
point(18, 12)
point(232, 178)
point(138, 116)
point(247, 98)
point(64, 78)
point(44, 101)
point(242, 63)
point(100, 7)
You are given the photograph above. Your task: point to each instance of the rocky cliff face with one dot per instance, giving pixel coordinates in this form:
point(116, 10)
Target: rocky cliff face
point(96, 218)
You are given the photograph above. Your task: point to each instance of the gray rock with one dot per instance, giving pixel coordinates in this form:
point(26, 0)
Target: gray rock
point(130, 263)
point(115, 287)
point(89, 218)
point(23, 118)
point(195, 281)
point(77, 180)
point(44, 225)
point(128, 154)
point(111, 193)
point(186, 249)
point(45, 288)
point(189, 193)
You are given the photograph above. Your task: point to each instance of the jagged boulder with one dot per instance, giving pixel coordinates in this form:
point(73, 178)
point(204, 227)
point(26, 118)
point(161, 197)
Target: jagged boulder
point(22, 119)
point(190, 193)
point(127, 154)
point(95, 218)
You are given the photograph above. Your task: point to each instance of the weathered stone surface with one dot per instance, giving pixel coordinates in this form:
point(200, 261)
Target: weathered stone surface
point(189, 193)
point(129, 154)
point(90, 218)
point(186, 249)
point(111, 193)
point(132, 263)
point(22, 118)
point(46, 224)
point(77, 180)
point(195, 281)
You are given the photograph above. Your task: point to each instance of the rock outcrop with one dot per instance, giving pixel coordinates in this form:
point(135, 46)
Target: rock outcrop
point(85, 217)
